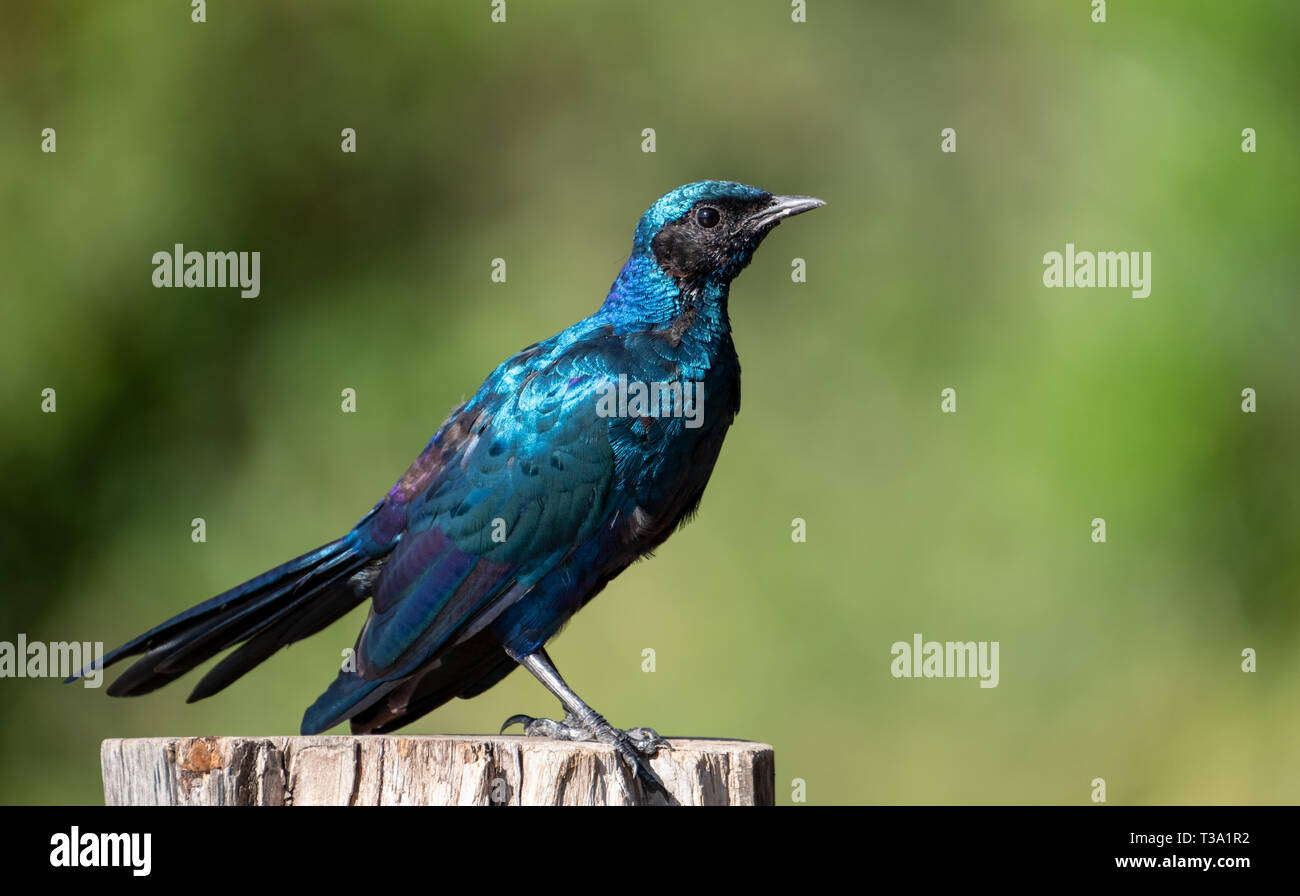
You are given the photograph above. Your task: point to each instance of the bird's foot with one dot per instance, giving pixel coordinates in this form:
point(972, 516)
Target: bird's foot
point(642, 742)
point(635, 745)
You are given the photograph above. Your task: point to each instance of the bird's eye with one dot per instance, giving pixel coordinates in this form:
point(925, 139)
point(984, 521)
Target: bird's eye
point(707, 217)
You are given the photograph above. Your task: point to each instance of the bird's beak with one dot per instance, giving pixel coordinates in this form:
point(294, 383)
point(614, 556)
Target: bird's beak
point(780, 208)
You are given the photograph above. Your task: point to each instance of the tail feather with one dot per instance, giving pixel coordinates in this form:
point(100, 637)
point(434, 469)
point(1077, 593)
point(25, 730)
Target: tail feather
point(232, 627)
point(291, 601)
point(295, 622)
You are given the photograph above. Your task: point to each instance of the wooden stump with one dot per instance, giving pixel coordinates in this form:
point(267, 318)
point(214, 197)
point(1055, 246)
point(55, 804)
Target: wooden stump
point(423, 770)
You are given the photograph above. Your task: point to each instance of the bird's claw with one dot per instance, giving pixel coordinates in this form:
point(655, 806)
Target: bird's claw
point(565, 730)
point(643, 742)
point(635, 745)
point(648, 741)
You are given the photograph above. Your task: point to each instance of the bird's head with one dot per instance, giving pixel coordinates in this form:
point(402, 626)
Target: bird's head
point(697, 238)
point(709, 230)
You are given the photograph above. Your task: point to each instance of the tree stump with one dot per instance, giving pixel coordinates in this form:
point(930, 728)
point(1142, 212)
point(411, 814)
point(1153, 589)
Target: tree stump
point(424, 770)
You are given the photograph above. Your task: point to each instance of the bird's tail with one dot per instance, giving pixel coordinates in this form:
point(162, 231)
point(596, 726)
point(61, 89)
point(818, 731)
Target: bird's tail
point(283, 605)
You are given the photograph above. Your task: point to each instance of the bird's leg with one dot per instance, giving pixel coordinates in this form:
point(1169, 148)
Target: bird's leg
point(581, 722)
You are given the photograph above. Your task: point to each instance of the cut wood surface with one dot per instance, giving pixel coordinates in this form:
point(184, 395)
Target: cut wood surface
point(424, 770)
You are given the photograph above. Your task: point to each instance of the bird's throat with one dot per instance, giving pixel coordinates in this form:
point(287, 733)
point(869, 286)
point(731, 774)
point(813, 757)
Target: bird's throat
point(645, 297)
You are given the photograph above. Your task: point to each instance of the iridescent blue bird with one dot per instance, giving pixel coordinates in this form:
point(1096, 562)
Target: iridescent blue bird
point(561, 471)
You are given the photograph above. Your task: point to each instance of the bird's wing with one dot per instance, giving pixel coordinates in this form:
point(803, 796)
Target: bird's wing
point(513, 482)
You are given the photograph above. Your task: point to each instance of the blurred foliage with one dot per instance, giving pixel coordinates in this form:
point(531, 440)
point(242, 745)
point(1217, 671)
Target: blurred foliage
point(523, 141)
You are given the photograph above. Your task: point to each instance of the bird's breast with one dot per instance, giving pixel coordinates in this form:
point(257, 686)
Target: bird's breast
point(667, 443)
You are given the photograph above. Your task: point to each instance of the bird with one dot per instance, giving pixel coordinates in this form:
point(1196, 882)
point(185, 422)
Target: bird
point(557, 474)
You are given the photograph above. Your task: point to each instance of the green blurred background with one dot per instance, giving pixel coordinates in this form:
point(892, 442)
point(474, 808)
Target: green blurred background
point(523, 140)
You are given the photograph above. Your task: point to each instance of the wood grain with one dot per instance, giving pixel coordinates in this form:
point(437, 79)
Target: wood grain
point(423, 770)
